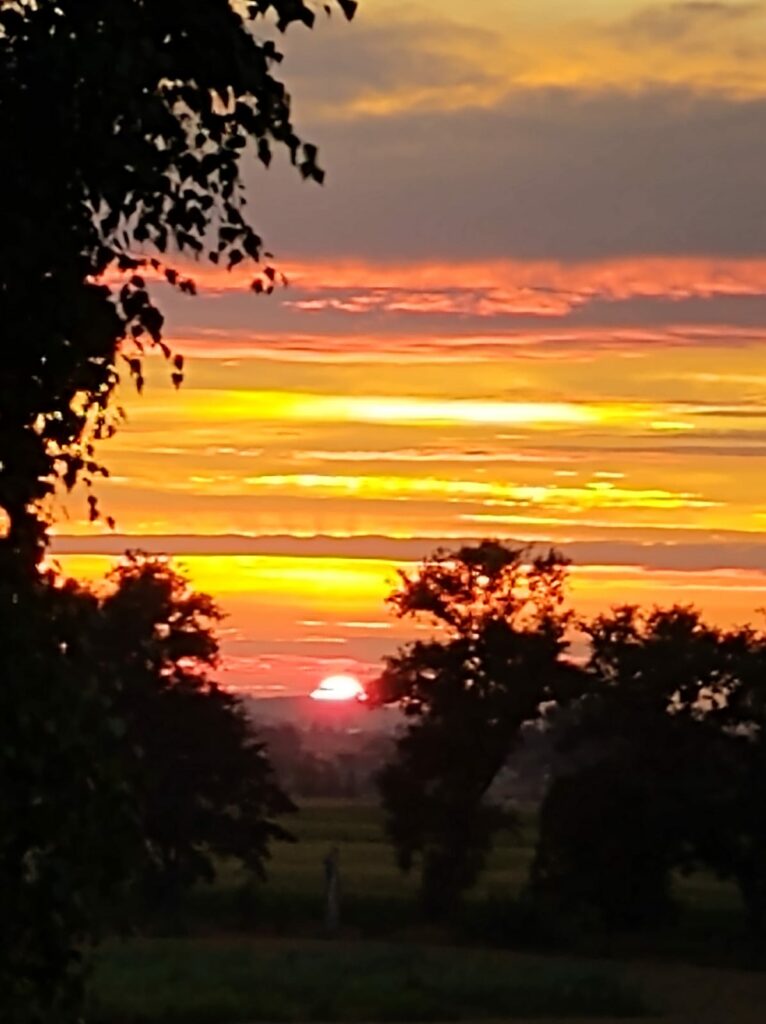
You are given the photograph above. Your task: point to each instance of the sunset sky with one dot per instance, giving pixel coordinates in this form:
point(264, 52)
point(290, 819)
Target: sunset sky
point(529, 302)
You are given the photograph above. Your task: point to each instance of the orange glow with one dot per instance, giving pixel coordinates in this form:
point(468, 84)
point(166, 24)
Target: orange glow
point(339, 688)
point(548, 287)
point(257, 406)
point(281, 612)
point(605, 393)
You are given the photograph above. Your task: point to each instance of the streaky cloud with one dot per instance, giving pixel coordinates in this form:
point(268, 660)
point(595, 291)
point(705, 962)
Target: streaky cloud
point(736, 551)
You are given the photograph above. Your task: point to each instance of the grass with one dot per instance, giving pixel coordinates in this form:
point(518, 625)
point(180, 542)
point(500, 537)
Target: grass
point(230, 981)
point(380, 903)
point(239, 951)
point(377, 900)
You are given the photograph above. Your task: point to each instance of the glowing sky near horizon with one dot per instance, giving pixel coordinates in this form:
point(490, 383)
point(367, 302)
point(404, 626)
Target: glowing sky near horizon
point(529, 302)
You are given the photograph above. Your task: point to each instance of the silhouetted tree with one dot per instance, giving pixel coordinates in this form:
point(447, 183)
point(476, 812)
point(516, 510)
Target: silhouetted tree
point(741, 718)
point(124, 127)
point(134, 768)
point(68, 829)
point(157, 105)
point(650, 794)
point(494, 661)
point(205, 784)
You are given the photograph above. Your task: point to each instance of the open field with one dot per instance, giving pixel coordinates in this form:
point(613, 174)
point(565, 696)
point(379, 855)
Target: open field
point(379, 902)
point(251, 951)
point(230, 980)
point(239, 980)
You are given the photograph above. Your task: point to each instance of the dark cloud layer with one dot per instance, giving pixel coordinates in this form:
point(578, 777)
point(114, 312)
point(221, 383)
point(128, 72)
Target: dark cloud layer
point(685, 556)
point(674, 322)
point(547, 174)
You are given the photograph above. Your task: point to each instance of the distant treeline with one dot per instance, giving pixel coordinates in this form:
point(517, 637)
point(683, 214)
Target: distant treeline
point(325, 762)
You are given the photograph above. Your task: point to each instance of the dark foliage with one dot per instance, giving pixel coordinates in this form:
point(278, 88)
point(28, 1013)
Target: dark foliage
point(68, 828)
point(605, 844)
point(495, 660)
point(132, 769)
point(204, 785)
point(741, 850)
point(124, 131)
point(124, 127)
point(661, 767)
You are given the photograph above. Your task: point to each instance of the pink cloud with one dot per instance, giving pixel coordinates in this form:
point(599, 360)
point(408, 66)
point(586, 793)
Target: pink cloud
point(617, 279)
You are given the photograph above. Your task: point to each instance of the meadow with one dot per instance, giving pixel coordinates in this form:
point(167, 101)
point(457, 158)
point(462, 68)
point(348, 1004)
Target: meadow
point(244, 950)
point(379, 902)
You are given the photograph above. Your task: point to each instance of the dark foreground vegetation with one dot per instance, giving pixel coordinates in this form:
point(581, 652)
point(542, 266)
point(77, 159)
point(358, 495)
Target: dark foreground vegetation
point(379, 904)
point(239, 950)
point(228, 980)
point(125, 129)
point(129, 780)
point(660, 733)
point(647, 840)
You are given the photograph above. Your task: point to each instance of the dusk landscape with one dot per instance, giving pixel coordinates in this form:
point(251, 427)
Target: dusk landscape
point(526, 303)
point(382, 511)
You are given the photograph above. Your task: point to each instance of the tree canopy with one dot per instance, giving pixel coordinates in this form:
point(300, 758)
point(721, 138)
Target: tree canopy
point(204, 784)
point(659, 740)
point(668, 742)
point(124, 127)
point(124, 132)
point(68, 824)
point(494, 661)
point(134, 770)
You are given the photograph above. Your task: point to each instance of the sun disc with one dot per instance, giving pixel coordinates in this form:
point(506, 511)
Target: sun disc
point(338, 688)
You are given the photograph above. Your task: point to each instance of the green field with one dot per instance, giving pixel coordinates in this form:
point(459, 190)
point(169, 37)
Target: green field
point(377, 899)
point(212, 982)
point(243, 950)
point(379, 902)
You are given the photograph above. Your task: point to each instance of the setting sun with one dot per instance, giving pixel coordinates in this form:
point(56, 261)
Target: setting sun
point(339, 688)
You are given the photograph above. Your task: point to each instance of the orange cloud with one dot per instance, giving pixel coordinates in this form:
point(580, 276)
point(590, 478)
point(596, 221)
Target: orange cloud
point(544, 343)
point(511, 282)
